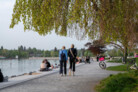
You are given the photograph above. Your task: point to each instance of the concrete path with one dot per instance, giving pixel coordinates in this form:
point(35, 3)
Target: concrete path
point(87, 76)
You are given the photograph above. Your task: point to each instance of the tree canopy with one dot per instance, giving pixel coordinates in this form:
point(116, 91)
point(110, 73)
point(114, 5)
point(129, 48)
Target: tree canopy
point(111, 20)
point(42, 16)
point(96, 47)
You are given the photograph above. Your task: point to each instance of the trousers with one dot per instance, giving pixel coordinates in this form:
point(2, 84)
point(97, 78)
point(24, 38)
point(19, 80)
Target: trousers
point(63, 64)
point(72, 64)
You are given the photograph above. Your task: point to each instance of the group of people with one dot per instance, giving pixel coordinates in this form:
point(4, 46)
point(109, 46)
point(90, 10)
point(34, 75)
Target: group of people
point(45, 65)
point(63, 58)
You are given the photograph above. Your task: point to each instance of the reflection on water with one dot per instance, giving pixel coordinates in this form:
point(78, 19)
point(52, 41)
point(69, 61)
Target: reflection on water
point(18, 67)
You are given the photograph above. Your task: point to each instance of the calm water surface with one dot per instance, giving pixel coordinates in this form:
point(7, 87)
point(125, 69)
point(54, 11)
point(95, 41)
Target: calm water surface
point(18, 67)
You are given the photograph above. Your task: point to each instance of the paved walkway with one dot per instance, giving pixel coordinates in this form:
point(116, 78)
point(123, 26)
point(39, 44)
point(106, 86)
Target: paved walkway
point(87, 76)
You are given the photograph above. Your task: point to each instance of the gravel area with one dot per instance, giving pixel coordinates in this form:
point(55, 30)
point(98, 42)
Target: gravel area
point(85, 79)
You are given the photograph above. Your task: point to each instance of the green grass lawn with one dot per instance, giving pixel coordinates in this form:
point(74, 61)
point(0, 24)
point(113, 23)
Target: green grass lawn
point(115, 61)
point(117, 68)
point(120, 67)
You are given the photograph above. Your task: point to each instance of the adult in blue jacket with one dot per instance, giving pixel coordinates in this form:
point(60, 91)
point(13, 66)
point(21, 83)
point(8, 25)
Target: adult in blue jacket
point(63, 57)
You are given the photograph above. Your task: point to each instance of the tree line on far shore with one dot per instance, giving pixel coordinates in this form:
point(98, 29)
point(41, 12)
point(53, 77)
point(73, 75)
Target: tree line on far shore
point(23, 52)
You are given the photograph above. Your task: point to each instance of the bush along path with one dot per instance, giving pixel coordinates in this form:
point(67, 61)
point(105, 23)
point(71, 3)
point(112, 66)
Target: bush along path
point(122, 82)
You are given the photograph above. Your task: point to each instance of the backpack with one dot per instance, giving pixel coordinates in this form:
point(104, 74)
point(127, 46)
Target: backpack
point(63, 56)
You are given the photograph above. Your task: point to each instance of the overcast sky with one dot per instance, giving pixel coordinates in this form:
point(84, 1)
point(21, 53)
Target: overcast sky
point(12, 38)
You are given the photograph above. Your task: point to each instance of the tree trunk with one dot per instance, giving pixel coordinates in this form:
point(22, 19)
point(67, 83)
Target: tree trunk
point(125, 55)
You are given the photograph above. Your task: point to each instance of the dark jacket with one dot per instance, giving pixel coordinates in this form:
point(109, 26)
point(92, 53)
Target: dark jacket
point(48, 64)
point(74, 51)
point(1, 76)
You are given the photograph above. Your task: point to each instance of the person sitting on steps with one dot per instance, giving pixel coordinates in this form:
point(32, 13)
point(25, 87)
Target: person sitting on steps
point(43, 66)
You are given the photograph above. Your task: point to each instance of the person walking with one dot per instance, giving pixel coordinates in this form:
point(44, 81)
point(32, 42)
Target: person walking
point(63, 57)
point(72, 53)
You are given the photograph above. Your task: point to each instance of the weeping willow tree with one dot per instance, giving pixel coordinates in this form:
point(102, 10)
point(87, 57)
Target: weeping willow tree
point(41, 16)
point(115, 21)
point(118, 23)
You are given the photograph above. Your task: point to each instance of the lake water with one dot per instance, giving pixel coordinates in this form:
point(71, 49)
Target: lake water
point(18, 67)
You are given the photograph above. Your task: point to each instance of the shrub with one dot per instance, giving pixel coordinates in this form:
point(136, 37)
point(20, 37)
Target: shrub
point(118, 83)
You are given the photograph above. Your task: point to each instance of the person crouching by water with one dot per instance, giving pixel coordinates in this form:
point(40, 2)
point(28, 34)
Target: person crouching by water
point(63, 57)
point(72, 53)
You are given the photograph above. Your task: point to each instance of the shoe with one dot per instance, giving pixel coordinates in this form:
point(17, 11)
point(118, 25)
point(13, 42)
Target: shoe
point(69, 73)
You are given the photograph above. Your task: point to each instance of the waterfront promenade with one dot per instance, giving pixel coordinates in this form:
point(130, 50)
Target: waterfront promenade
point(87, 76)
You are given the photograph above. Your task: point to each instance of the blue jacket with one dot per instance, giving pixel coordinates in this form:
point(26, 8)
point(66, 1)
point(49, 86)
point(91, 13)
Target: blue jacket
point(65, 52)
